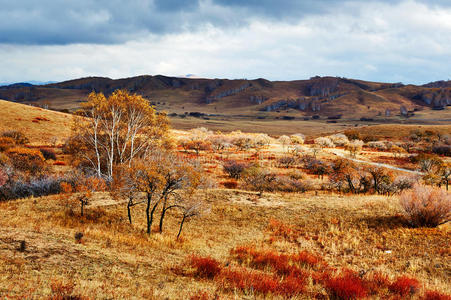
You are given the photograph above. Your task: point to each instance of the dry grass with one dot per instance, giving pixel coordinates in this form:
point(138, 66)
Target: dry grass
point(114, 259)
point(41, 126)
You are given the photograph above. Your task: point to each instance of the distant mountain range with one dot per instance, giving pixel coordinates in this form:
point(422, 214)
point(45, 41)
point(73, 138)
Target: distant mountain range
point(332, 97)
point(26, 83)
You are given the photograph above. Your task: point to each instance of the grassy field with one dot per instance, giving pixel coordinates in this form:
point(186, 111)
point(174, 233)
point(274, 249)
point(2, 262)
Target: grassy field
point(47, 250)
point(117, 260)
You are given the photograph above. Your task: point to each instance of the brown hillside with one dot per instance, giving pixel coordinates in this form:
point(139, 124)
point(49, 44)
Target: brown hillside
point(41, 126)
point(323, 96)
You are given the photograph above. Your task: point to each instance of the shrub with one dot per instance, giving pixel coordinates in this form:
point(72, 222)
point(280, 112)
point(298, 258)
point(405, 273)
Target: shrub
point(205, 267)
point(404, 286)
point(433, 295)
point(442, 149)
point(339, 139)
point(290, 184)
point(297, 138)
point(37, 187)
point(286, 161)
point(324, 142)
point(19, 137)
point(379, 145)
point(234, 168)
point(48, 153)
point(6, 143)
point(354, 147)
point(258, 179)
point(247, 281)
point(243, 141)
point(346, 286)
point(262, 140)
point(25, 159)
point(426, 206)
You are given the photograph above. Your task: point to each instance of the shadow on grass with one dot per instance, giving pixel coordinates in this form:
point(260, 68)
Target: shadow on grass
point(385, 222)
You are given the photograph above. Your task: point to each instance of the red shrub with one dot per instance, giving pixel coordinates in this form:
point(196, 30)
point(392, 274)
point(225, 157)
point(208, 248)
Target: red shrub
point(257, 282)
point(404, 286)
point(59, 163)
point(346, 286)
point(246, 280)
point(291, 285)
point(206, 267)
point(282, 264)
point(433, 295)
point(307, 258)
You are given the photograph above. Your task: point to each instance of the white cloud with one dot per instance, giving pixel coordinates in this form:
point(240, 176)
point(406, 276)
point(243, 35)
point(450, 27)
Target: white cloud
point(409, 42)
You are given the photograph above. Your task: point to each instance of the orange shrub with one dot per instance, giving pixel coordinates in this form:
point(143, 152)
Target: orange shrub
point(25, 159)
point(6, 143)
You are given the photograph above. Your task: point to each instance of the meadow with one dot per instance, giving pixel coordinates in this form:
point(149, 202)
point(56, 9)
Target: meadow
point(314, 216)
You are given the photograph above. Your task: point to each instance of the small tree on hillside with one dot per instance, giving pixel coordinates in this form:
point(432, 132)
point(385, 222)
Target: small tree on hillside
point(116, 130)
point(145, 176)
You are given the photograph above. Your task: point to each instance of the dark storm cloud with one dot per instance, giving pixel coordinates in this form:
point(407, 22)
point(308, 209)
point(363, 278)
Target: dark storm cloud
point(114, 21)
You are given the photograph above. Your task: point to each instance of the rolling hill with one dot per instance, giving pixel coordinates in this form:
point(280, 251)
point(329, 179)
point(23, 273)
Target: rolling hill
point(322, 97)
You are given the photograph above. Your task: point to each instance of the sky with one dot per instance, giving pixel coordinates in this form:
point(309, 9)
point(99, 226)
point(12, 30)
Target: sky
point(405, 41)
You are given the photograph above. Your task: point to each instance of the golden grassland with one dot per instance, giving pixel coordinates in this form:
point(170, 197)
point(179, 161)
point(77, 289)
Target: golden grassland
point(41, 126)
point(118, 260)
point(39, 253)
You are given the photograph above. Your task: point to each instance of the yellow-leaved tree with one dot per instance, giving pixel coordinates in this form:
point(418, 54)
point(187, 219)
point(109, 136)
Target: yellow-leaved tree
point(114, 130)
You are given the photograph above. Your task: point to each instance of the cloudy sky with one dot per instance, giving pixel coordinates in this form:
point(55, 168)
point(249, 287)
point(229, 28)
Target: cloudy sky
point(379, 40)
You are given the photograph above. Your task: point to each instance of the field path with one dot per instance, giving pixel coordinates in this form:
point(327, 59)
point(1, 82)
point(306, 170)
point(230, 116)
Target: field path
point(340, 153)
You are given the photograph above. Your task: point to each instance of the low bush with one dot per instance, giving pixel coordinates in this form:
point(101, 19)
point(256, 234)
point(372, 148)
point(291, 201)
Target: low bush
point(347, 285)
point(48, 153)
point(205, 267)
point(258, 179)
point(286, 161)
point(260, 283)
point(442, 150)
point(26, 160)
point(234, 168)
point(426, 206)
point(19, 137)
point(6, 143)
point(433, 295)
point(17, 188)
point(405, 286)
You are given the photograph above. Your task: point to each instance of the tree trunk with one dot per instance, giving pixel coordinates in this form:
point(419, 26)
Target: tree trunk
point(163, 213)
point(181, 227)
point(149, 220)
point(129, 212)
